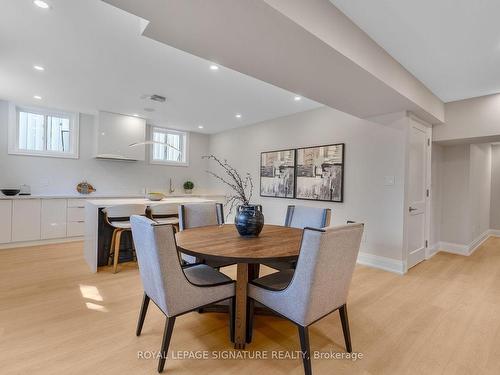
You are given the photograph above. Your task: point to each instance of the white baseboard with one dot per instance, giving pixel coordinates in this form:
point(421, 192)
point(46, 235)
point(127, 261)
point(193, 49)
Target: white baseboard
point(467, 250)
point(383, 263)
point(494, 232)
point(13, 245)
point(433, 250)
point(454, 248)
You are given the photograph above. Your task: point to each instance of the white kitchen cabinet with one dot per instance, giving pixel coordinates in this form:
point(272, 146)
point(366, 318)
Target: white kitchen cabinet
point(76, 214)
point(53, 218)
point(76, 203)
point(115, 134)
point(26, 220)
point(76, 218)
point(76, 229)
point(5, 221)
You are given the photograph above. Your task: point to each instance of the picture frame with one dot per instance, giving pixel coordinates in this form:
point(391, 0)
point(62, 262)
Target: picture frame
point(319, 173)
point(277, 173)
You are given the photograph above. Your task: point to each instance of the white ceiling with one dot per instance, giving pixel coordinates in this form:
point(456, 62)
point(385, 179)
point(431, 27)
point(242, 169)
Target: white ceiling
point(95, 59)
point(452, 46)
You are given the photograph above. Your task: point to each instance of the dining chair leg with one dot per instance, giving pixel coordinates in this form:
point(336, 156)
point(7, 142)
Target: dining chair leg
point(167, 335)
point(142, 314)
point(116, 255)
point(345, 327)
point(306, 350)
point(250, 319)
point(112, 247)
point(232, 308)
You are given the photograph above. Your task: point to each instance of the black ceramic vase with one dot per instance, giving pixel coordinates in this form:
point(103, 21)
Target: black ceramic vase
point(249, 220)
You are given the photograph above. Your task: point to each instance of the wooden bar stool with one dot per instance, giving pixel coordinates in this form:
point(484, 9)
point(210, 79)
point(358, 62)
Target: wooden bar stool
point(164, 213)
point(118, 217)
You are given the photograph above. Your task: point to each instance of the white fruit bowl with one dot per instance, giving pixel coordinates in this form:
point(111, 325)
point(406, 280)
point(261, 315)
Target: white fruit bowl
point(155, 196)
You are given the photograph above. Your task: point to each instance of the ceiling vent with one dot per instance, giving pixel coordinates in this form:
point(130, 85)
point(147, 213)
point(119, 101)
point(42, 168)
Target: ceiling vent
point(158, 98)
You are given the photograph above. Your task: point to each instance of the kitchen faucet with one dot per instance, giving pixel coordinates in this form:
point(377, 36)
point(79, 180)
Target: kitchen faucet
point(170, 190)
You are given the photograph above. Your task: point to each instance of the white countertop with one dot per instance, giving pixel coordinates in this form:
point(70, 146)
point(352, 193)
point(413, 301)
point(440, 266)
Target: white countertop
point(180, 199)
point(98, 196)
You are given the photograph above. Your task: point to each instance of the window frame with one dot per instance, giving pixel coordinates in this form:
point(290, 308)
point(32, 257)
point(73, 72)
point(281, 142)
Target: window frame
point(13, 132)
point(154, 129)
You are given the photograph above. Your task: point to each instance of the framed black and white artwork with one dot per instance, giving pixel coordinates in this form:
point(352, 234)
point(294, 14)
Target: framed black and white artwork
point(320, 173)
point(277, 174)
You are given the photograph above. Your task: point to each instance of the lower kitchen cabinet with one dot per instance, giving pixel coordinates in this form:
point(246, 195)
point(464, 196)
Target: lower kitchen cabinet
point(53, 218)
point(5, 221)
point(26, 220)
point(35, 219)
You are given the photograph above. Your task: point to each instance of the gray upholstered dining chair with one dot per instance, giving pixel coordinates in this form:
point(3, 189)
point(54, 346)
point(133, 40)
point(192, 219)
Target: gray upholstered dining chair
point(318, 286)
point(301, 217)
point(194, 215)
point(304, 216)
point(118, 217)
point(174, 289)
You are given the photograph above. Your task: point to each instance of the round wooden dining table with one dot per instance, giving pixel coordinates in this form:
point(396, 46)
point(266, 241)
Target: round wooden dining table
point(223, 243)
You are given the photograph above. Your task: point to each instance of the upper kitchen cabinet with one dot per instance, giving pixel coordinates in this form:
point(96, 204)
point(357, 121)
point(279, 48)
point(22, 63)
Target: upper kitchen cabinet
point(115, 135)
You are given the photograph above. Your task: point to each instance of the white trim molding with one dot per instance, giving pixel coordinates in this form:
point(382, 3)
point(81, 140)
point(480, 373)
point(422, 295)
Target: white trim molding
point(14, 245)
point(383, 263)
point(467, 250)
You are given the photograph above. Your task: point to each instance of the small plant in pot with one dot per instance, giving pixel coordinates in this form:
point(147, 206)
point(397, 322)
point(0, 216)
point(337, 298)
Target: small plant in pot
point(249, 219)
point(188, 187)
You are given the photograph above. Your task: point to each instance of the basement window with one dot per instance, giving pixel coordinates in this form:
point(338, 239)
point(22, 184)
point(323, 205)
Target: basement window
point(43, 132)
point(169, 147)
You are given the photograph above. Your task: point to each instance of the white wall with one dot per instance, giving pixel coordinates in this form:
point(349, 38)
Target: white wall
point(436, 194)
point(470, 118)
point(464, 175)
point(480, 188)
point(373, 151)
point(54, 175)
point(455, 195)
point(495, 187)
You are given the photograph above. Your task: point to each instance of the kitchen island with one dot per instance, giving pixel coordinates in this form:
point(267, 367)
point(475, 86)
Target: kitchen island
point(95, 241)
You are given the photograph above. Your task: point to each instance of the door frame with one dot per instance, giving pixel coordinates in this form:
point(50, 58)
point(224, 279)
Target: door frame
point(412, 117)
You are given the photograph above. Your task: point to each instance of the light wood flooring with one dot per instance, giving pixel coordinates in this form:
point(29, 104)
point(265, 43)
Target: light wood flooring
point(56, 317)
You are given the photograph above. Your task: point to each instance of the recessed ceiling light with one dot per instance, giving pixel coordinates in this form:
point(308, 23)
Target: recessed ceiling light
point(135, 115)
point(238, 115)
point(39, 68)
point(41, 4)
point(200, 126)
point(37, 97)
point(297, 98)
point(214, 67)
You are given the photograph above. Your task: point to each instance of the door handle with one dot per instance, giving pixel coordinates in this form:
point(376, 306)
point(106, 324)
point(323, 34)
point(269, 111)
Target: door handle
point(411, 209)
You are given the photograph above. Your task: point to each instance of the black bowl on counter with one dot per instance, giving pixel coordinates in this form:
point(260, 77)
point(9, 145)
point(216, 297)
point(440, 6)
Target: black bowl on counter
point(10, 192)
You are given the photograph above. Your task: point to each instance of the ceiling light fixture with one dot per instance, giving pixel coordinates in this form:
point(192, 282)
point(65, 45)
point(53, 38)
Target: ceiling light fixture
point(37, 97)
point(238, 115)
point(214, 67)
point(41, 4)
point(297, 98)
point(135, 115)
point(200, 126)
point(39, 68)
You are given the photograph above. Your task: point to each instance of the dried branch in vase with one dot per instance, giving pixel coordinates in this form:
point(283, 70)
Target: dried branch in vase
point(241, 186)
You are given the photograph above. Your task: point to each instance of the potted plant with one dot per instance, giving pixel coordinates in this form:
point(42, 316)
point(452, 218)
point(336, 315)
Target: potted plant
point(188, 187)
point(249, 219)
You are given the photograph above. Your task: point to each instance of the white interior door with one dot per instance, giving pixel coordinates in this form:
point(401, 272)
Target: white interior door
point(419, 164)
